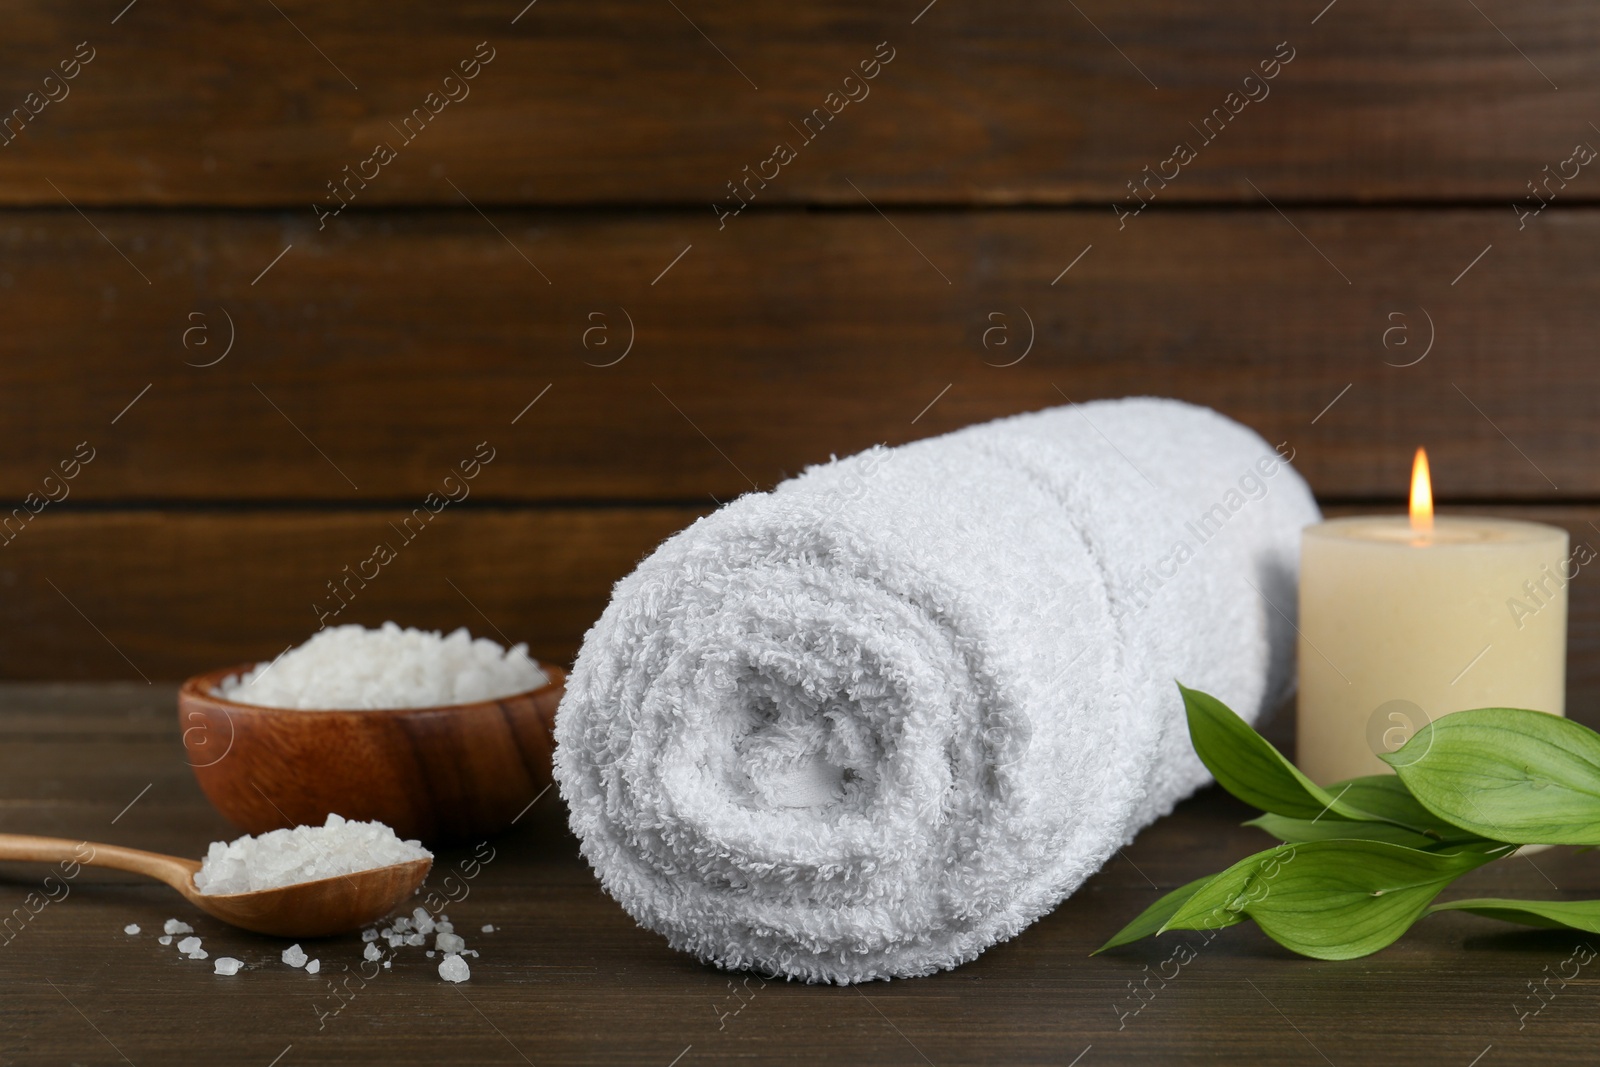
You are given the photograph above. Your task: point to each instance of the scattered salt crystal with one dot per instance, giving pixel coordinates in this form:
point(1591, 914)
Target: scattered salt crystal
point(188, 944)
point(423, 921)
point(226, 965)
point(165, 939)
point(470, 952)
point(314, 966)
point(395, 940)
point(454, 969)
point(444, 926)
point(294, 956)
point(488, 928)
point(131, 929)
point(353, 667)
point(303, 854)
point(441, 919)
point(430, 953)
point(199, 954)
point(369, 935)
point(173, 926)
point(372, 952)
point(387, 964)
point(416, 939)
point(449, 943)
point(401, 925)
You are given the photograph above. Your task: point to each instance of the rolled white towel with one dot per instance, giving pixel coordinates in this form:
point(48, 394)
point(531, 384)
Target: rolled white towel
point(874, 721)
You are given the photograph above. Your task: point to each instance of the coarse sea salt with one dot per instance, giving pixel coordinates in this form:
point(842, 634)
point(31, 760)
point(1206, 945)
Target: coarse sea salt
point(449, 948)
point(131, 929)
point(303, 854)
point(454, 969)
point(352, 667)
point(173, 926)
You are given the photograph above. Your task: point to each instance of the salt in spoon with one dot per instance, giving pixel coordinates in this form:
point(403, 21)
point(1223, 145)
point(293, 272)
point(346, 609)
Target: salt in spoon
point(307, 909)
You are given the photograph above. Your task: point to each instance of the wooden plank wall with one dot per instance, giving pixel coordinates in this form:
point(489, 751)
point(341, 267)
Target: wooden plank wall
point(269, 274)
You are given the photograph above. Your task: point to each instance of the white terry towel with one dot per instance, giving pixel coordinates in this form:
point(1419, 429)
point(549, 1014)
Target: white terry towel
point(874, 721)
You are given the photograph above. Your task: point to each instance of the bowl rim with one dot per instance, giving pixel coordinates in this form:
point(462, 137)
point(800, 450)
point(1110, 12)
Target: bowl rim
point(201, 685)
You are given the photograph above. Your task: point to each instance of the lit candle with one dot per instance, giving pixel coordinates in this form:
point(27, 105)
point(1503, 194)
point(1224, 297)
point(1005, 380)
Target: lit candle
point(1404, 620)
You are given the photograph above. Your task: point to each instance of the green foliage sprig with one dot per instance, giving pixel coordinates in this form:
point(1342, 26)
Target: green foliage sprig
point(1362, 860)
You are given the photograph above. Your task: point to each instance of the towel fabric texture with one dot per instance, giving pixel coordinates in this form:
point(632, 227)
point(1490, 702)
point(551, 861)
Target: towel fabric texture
point(874, 721)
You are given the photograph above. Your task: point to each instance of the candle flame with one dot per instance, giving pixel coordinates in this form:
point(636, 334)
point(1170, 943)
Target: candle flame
point(1421, 494)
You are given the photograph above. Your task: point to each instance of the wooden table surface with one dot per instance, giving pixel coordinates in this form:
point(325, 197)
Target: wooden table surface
point(566, 978)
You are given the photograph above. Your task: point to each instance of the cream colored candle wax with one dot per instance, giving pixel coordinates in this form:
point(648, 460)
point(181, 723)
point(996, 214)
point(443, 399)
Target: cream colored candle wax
point(1404, 620)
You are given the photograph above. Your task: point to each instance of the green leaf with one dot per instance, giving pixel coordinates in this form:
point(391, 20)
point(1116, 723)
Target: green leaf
point(1298, 830)
point(1551, 914)
point(1246, 765)
point(1383, 796)
point(1364, 859)
point(1218, 902)
point(1337, 900)
point(1387, 797)
point(1153, 918)
point(1508, 774)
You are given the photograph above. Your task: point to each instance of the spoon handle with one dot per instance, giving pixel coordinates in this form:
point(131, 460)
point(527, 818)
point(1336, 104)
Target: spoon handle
point(173, 870)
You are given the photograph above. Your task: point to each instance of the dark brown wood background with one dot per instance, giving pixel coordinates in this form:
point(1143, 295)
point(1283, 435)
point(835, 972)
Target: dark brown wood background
point(863, 297)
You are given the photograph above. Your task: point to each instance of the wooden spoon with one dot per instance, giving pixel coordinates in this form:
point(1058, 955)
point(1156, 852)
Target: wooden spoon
point(306, 909)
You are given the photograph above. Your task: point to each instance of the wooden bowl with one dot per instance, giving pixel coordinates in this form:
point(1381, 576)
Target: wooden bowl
point(455, 773)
